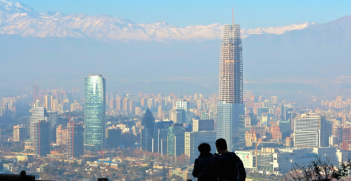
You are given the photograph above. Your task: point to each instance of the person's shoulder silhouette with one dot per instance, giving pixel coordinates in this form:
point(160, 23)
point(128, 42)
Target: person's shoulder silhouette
point(230, 166)
point(204, 166)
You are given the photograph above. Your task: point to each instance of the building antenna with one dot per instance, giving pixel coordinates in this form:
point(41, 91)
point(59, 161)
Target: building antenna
point(233, 15)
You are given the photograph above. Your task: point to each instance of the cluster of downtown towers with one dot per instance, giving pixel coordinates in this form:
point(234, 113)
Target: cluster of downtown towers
point(230, 108)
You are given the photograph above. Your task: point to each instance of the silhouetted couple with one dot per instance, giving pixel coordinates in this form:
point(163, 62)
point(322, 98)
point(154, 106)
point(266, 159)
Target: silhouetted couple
point(224, 166)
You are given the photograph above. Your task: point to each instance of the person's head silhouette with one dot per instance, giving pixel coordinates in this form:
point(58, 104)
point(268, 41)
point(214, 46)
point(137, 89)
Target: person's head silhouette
point(204, 148)
point(221, 146)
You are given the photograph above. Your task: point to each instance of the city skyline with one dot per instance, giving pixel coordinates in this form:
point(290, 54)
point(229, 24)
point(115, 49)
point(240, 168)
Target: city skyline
point(183, 57)
point(90, 97)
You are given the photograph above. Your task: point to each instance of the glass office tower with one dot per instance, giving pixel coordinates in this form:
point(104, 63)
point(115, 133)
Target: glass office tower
point(38, 113)
point(94, 112)
point(230, 93)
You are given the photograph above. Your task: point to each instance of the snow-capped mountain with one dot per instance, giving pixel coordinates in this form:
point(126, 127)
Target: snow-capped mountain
point(275, 30)
point(20, 19)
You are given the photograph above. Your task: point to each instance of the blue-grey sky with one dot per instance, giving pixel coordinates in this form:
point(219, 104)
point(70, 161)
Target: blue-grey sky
point(248, 13)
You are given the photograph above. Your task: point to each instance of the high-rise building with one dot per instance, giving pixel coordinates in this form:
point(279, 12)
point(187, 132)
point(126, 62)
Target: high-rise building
point(159, 112)
point(125, 104)
point(346, 134)
point(48, 101)
point(203, 125)
point(147, 131)
point(52, 120)
point(75, 106)
point(119, 103)
point(242, 130)
point(175, 140)
point(38, 113)
point(337, 133)
point(276, 133)
point(61, 135)
point(285, 128)
point(160, 136)
point(137, 111)
point(75, 139)
point(113, 138)
point(150, 103)
point(286, 111)
point(19, 133)
point(131, 106)
point(94, 111)
point(55, 105)
point(184, 105)
point(65, 105)
point(230, 94)
point(180, 116)
point(311, 131)
point(143, 102)
point(35, 92)
point(274, 99)
point(41, 138)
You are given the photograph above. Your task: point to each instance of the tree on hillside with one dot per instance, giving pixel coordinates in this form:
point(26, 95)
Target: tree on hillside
point(319, 170)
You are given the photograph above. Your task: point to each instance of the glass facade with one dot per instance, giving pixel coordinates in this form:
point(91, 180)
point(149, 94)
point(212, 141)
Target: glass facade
point(52, 119)
point(94, 111)
point(38, 113)
point(147, 131)
point(227, 125)
point(175, 140)
point(41, 138)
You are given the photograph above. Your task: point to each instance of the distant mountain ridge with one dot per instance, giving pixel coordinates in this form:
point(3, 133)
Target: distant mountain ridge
point(20, 19)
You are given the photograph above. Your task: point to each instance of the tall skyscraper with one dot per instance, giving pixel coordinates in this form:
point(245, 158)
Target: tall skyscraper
point(176, 140)
point(147, 131)
point(94, 111)
point(38, 113)
point(160, 136)
point(230, 93)
point(75, 139)
point(41, 138)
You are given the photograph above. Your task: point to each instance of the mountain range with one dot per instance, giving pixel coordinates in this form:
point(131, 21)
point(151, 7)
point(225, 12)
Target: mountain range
point(20, 19)
point(54, 49)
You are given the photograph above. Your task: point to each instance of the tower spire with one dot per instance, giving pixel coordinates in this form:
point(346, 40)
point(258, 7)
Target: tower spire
point(233, 15)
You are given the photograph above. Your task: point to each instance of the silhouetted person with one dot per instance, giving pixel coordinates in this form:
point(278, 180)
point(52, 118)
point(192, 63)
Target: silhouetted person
point(204, 166)
point(229, 165)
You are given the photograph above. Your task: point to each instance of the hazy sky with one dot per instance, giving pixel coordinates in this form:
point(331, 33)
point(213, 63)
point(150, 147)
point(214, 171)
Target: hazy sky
point(249, 13)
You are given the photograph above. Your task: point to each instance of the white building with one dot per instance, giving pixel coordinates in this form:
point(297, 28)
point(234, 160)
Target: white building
point(185, 105)
point(311, 131)
point(284, 159)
